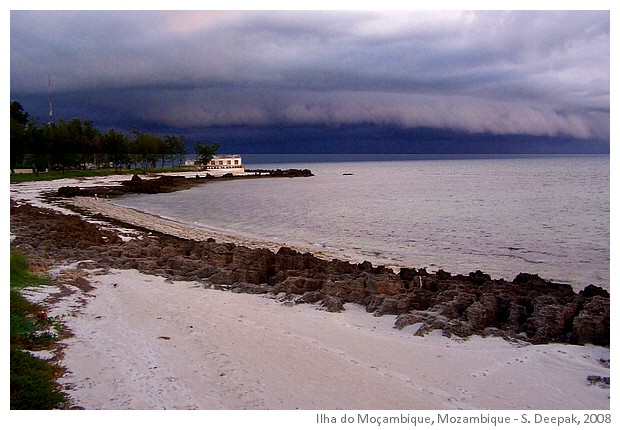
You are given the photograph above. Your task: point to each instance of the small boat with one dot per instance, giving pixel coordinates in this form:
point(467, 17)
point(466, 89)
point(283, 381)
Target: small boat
point(347, 174)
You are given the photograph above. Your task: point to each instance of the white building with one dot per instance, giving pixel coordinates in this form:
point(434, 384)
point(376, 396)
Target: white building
point(227, 163)
point(221, 163)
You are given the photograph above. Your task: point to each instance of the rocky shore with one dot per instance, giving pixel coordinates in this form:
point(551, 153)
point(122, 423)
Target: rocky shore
point(527, 308)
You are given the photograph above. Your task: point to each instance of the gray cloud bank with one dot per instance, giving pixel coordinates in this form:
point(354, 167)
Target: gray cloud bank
point(543, 73)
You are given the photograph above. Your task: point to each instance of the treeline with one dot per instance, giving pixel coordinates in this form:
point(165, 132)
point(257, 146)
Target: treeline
point(76, 144)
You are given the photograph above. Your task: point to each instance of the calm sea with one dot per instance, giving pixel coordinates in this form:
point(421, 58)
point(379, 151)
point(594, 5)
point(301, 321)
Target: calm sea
point(544, 215)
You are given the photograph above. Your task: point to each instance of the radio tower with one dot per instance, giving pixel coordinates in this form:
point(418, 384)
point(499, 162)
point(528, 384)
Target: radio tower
point(49, 95)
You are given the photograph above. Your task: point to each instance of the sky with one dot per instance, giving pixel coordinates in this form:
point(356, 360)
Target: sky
point(318, 74)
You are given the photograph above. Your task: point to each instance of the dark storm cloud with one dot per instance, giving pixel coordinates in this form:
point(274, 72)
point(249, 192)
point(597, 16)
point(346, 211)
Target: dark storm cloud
point(524, 72)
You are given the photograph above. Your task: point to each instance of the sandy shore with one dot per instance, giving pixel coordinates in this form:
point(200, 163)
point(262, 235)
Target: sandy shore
point(142, 342)
point(152, 222)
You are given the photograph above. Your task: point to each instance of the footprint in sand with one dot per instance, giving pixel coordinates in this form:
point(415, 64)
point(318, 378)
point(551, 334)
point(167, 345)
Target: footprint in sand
point(464, 393)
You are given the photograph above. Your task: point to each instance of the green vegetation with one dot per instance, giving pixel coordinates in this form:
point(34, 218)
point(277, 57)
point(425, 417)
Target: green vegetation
point(206, 152)
point(79, 173)
point(33, 380)
point(33, 383)
point(76, 145)
point(20, 275)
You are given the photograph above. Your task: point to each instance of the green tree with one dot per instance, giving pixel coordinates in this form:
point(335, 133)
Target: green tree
point(38, 148)
point(176, 148)
point(91, 139)
point(116, 146)
point(205, 151)
point(145, 149)
point(73, 143)
point(18, 143)
point(65, 145)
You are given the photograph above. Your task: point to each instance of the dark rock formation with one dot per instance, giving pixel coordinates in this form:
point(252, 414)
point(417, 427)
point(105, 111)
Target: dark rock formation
point(528, 308)
point(168, 183)
point(290, 173)
point(591, 324)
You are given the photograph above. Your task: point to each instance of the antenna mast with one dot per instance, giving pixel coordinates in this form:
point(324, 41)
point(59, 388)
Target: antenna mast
point(49, 95)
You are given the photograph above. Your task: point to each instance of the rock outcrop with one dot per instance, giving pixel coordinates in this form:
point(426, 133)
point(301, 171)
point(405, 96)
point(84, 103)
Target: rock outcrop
point(168, 183)
point(528, 308)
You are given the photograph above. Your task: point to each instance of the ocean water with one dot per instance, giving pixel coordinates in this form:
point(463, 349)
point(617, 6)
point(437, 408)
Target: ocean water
point(543, 215)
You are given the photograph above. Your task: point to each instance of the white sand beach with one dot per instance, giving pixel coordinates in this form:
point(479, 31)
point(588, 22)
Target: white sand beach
point(143, 342)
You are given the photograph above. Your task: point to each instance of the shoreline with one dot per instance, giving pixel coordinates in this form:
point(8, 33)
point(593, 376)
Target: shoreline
point(187, 230)
point(275, 355)
point(435, 248)
point(99, 207)
point(520, 309)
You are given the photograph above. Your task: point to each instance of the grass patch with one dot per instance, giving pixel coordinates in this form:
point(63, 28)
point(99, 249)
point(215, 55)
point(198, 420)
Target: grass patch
point(33, 380)
point(30, 325)
point(33, 383)
point(21, 275)
point(49, 176)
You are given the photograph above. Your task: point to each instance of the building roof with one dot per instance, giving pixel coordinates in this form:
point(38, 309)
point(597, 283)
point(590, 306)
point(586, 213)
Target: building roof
point(227, 156)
